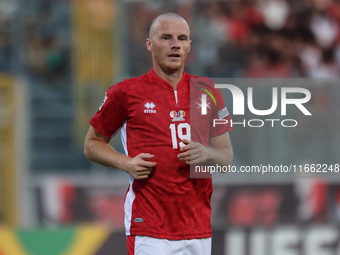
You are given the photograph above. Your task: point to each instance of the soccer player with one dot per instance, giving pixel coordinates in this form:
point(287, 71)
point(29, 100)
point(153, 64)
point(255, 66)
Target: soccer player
point(166, 211)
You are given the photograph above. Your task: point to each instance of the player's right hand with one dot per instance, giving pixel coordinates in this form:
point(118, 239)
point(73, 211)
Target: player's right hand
point(139, 168)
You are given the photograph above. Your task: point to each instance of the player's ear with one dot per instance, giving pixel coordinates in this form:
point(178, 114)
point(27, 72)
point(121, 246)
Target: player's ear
point(149, 44)
point(189, 46)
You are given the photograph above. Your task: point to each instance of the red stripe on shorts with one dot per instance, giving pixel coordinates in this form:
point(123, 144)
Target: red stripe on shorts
point(131, 245)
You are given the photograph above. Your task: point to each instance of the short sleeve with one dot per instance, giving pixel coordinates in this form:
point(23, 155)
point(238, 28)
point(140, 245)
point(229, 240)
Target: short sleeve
point(112, 112)
point(220, 112)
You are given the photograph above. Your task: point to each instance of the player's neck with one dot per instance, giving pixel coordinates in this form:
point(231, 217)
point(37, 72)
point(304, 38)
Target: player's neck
point(173, 78)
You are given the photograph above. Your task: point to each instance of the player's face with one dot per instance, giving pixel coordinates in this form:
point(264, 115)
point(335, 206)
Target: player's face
point(170, 44)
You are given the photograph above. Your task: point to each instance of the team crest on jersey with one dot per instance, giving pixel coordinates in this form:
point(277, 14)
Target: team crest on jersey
point(149, 107)
point(104, 100)
point(177, 116)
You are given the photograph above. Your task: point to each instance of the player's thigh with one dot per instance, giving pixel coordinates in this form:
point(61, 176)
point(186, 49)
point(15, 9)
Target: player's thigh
point(144, 245)
point(198, 246)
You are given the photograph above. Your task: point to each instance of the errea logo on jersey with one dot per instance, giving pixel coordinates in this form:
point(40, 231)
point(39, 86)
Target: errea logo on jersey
point(149, 107)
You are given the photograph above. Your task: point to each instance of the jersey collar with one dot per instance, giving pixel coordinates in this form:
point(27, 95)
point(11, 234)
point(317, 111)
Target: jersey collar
point(166, 84)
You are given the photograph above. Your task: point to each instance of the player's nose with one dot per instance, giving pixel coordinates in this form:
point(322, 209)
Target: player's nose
point(174, 43)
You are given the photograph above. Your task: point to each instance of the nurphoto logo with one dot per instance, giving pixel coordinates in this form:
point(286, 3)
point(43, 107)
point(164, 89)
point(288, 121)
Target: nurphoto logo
point(239, 102)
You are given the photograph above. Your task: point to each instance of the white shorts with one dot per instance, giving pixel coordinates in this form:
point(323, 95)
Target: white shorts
point(145, 245)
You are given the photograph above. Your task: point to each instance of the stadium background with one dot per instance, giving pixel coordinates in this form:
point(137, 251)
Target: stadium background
point(58, 57)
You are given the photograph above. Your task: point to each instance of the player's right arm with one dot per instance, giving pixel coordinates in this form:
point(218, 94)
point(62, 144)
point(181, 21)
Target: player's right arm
point(98, 149)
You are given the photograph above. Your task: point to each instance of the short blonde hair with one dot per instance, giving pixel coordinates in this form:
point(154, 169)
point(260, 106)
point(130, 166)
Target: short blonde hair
point(154, 24)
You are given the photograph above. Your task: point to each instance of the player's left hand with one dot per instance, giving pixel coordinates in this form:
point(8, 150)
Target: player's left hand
point(193, 152)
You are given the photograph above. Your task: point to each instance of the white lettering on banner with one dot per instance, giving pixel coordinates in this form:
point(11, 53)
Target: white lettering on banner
point(283, 240)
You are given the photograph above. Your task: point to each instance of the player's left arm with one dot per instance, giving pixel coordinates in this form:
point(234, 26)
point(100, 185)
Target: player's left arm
point(219, 151)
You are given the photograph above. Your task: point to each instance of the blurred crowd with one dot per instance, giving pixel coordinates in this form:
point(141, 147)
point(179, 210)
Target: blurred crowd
point(231, 38)
point(6, 11)
point(45, 25)
point(249, 38)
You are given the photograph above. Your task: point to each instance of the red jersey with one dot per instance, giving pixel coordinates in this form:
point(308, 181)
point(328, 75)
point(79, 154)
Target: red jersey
point(155, 119)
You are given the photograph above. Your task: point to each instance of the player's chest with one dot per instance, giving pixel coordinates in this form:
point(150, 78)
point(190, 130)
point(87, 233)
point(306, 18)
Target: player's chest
point(159, 107)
